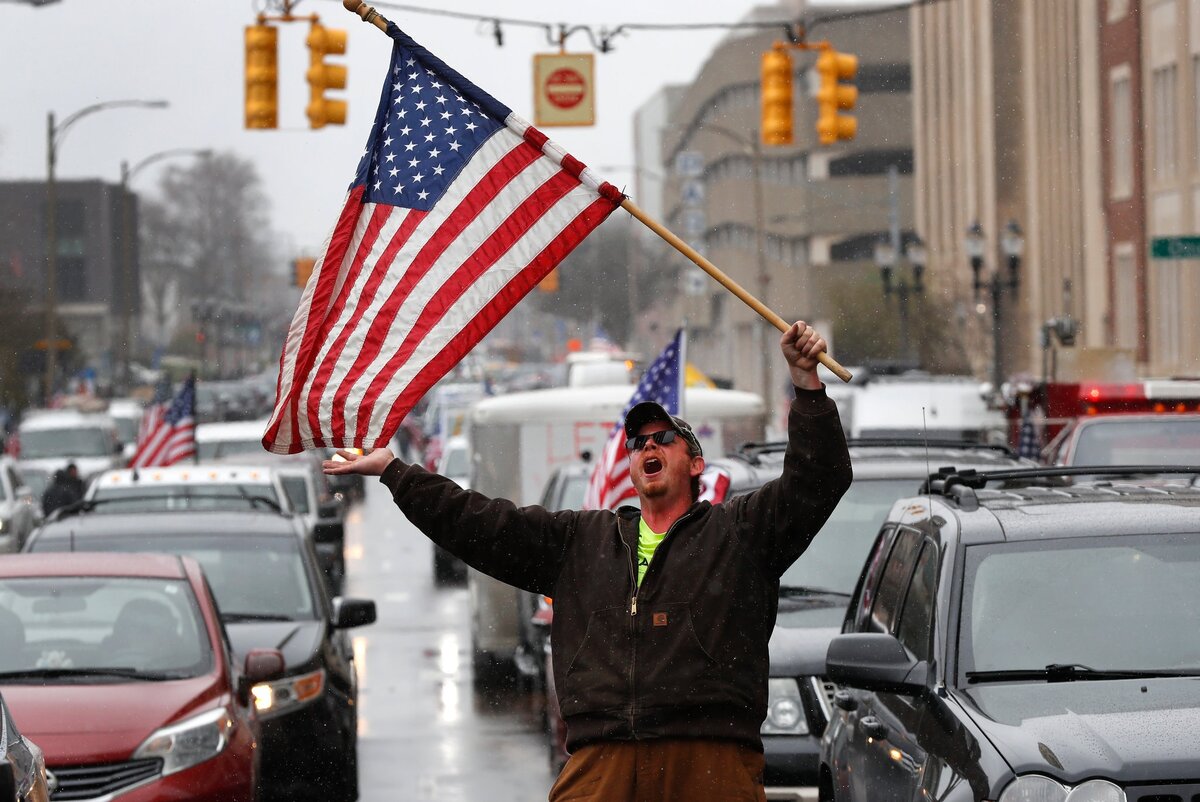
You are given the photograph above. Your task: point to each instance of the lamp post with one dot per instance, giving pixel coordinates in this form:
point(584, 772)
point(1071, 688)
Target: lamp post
point(127, 289)
point(886, 259)
point(55, 133)
point(1012, 245)
point(752, 147)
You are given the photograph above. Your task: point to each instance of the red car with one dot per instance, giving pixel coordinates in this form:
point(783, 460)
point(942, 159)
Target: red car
point(118, 667)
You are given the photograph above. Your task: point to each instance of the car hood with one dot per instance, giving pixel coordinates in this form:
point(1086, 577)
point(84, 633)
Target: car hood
point(1126, 730)
point(799, 652)
point(300, 639)
point(75, 723)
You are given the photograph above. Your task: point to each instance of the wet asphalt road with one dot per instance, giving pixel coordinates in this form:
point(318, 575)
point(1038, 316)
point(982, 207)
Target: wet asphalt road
point(424, 731)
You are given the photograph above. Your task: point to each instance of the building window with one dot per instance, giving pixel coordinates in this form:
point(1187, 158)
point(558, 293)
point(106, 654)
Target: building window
point(70, 235)
point(1167, 312)
point(1121, 132)
point(1164, 100)
point(1125, 300)
point(1116, 10)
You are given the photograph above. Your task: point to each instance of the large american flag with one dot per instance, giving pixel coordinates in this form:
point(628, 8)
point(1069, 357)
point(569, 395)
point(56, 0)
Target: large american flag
point(609, 484)
point(458, 209)
point(167, 434)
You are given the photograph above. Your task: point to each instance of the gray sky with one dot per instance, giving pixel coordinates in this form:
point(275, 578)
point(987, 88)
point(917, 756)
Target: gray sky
point(79, 52)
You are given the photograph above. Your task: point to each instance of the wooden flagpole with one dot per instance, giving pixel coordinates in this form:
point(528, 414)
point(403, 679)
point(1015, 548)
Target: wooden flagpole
point(373, 17)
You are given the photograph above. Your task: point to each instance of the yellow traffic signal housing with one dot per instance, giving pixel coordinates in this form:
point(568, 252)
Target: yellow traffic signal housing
point(776, 92)
point(834, 96)
point(304, 270)
point(262, 76)
point(324, 42)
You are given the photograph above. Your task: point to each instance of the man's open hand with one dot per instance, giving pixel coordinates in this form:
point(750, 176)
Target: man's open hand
point(371, 464)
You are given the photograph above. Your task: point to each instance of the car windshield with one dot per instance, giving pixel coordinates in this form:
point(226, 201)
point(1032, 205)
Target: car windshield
point(127, 429)
point(835, 558)
point(75, 441)
point(35, 480)
point(250, 575)
point(1121, 603)
point(209, 496)
point(574, 487)
point(58, 629)
point(1169, 441)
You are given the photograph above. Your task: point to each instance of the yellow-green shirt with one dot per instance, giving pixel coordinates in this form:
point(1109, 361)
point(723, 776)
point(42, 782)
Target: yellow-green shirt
point(648, 541)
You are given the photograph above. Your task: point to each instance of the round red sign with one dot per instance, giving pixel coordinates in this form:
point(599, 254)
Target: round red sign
point(565, 88)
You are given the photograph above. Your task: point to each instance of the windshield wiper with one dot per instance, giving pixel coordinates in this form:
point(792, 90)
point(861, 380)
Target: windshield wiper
point(123, 672)
point(804, 590)
point(236, 617)
point(255, 499)
point(1071, 672)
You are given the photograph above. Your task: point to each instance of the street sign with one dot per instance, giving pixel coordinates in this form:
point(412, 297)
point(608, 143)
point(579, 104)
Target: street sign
point(564, 89)
point(692, 192)
point(1175, 248)
point(689, 163)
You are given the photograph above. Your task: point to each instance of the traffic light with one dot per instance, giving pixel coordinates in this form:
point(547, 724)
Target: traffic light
point(776, 92)
point(324, 42)
point(834, 97)
point(304, 270)
point(262, 87)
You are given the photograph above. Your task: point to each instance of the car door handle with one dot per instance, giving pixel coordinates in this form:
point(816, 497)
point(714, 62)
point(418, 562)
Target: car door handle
point(845, 701)
point(873, 728)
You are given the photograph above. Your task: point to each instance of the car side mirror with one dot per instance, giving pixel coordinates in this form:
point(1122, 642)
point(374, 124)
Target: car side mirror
point(875, 662)
point(260, 665)
point(349, 613)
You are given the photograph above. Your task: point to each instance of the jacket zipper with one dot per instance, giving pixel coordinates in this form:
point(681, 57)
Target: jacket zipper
point(633, 606)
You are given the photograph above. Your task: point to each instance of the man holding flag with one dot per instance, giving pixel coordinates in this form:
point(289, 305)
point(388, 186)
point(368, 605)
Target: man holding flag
point(661, 668)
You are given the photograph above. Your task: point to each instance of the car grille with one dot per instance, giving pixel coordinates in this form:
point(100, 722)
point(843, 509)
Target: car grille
point(90, 782)
point(1187, 792)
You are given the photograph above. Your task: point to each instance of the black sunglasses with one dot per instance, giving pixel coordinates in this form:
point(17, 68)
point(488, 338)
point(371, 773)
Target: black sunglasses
point(663, 438)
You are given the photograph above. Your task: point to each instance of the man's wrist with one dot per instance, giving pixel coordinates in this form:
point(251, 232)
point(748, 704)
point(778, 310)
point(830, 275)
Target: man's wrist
point(805, 379)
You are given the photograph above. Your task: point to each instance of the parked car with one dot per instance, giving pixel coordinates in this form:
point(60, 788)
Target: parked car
point(222, 440)
point(48, 439)
point(1128, 439)
point(19, 509)
point(118, 666)
point(814, 591)
point(1022, 643)
point(22, 764)
point(127, 416)
point(270, 593)
point(187, 488)
point(454, 463)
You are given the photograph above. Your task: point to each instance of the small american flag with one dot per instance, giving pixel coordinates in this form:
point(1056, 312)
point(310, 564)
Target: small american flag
point(167, 434)
point(459, 208)
point(609, 484)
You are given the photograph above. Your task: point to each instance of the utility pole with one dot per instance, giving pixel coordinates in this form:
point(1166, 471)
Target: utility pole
point(764, 278)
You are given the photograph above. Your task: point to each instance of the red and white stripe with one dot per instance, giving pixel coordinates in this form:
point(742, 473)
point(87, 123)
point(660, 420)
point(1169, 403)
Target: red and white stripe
point(161, 444)
point(400, 295)
point(609, 485)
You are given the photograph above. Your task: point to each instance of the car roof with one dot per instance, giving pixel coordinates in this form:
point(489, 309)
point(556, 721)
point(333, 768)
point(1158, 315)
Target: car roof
point(238, 524)
point(1125, 417)
point(234, 430)
point(64, 418)
point(1108, 506)
point(891, 458)
point(185, 475)
point(132, 564)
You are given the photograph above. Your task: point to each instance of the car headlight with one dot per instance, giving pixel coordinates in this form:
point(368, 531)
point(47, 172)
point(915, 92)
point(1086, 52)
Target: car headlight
point(191, 741)
point(785, 708)
point(1036, 788)
point(284, 694)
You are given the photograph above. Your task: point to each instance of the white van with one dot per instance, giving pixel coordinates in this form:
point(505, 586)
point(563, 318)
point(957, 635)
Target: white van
point(517, 440)
point(49, 439)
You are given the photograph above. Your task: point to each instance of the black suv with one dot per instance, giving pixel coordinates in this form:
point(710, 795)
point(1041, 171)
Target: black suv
point(265, 578)
point(814, 591)
point(1015, 636)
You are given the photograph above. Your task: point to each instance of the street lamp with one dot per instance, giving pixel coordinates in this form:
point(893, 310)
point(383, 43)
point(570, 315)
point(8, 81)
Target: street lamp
point(127, 289)
point(753, 148)
point(886, 259)
point(55, 133)
point(1012, 245)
